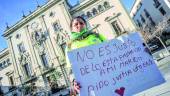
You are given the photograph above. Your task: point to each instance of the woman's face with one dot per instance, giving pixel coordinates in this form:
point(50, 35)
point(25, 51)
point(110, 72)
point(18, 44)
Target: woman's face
point(78, 24)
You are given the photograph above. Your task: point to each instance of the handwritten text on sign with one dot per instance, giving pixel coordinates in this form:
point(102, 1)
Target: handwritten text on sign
point(119, 67)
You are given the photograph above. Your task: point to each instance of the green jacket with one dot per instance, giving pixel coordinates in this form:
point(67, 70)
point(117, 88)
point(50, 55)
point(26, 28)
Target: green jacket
point(82, 39)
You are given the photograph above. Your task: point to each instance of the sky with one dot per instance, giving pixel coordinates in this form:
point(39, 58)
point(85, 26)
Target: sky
point(12, 11)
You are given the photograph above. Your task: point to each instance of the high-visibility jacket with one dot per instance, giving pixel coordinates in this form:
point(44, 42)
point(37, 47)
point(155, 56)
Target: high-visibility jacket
point(82, 39)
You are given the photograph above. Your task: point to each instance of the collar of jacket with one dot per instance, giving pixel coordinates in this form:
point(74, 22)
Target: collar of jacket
point(78, 35)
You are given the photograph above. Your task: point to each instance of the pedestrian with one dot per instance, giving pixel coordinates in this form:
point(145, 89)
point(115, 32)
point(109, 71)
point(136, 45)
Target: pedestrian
point(81, 37)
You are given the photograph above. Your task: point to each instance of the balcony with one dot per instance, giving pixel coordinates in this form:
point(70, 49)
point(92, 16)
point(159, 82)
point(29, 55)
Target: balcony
point(46, 70)
point(30, 79)
point(55, 88)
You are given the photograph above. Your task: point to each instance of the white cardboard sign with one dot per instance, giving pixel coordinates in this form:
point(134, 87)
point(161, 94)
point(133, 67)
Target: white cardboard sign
point(119, 67)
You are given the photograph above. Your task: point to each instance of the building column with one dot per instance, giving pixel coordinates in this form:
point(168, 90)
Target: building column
point(34, 57)
point(14, 61)
point(61, 66)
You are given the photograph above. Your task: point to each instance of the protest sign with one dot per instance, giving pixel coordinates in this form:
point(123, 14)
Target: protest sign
point(120, 67)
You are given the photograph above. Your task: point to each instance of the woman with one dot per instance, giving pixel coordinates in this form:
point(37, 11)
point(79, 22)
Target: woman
point(81, 37)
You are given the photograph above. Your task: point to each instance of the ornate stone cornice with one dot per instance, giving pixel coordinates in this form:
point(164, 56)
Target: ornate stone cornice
point(24, 58)
point(4, 52)
point(38, 37)
point(61, 37)
point(107, 19)
point(81, 6)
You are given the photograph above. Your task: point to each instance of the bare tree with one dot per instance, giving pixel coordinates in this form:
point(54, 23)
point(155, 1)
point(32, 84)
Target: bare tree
point(159, 29)
point(145, 32)
point(148, 32)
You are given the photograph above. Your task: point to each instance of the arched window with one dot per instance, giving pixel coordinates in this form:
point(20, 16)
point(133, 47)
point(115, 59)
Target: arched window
point(89, 14)
point(84, 16)
point(37, 36)
point(100, 8)
point(94, 11)
point(106, 5)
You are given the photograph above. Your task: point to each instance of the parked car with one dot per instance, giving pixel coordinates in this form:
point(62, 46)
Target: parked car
point(167, 42)
point(153, 47)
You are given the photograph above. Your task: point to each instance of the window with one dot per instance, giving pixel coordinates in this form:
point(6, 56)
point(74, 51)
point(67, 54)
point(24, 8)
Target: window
point(134, 14)
point(146, 13)
point(94, 11)
point(139, 24)
point(17, 36)
point(162, 11)
point(37, 36)
point(10, 76)
point(142, 19)
point(52, 14)
point(11, 80)
point(89, 14)
point(1, 91)
point(8, 61)
point(56, 27)
point(106, 5)
point(63, 46)
point(27, 70)
point(152, 22)
point(84, 16)
point(1, 66)
point(168, 21)
point(4, 64)
point(21, 48)
point(116, 27)
point(44, 60)
point(100, 8)
point(139, 6)
point(156, 3)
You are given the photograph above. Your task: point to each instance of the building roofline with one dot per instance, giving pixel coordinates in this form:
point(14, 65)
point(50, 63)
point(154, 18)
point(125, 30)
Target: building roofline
point(133, 5)
point(81, 6)
point(23, 21)
point(4, 52)
point(134, 9)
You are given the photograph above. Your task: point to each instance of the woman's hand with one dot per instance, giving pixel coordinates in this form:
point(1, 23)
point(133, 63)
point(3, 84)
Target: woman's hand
point(76, 86)
point(147, 49)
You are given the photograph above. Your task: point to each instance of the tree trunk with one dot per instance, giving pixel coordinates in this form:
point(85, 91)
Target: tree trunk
point(163, 44)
